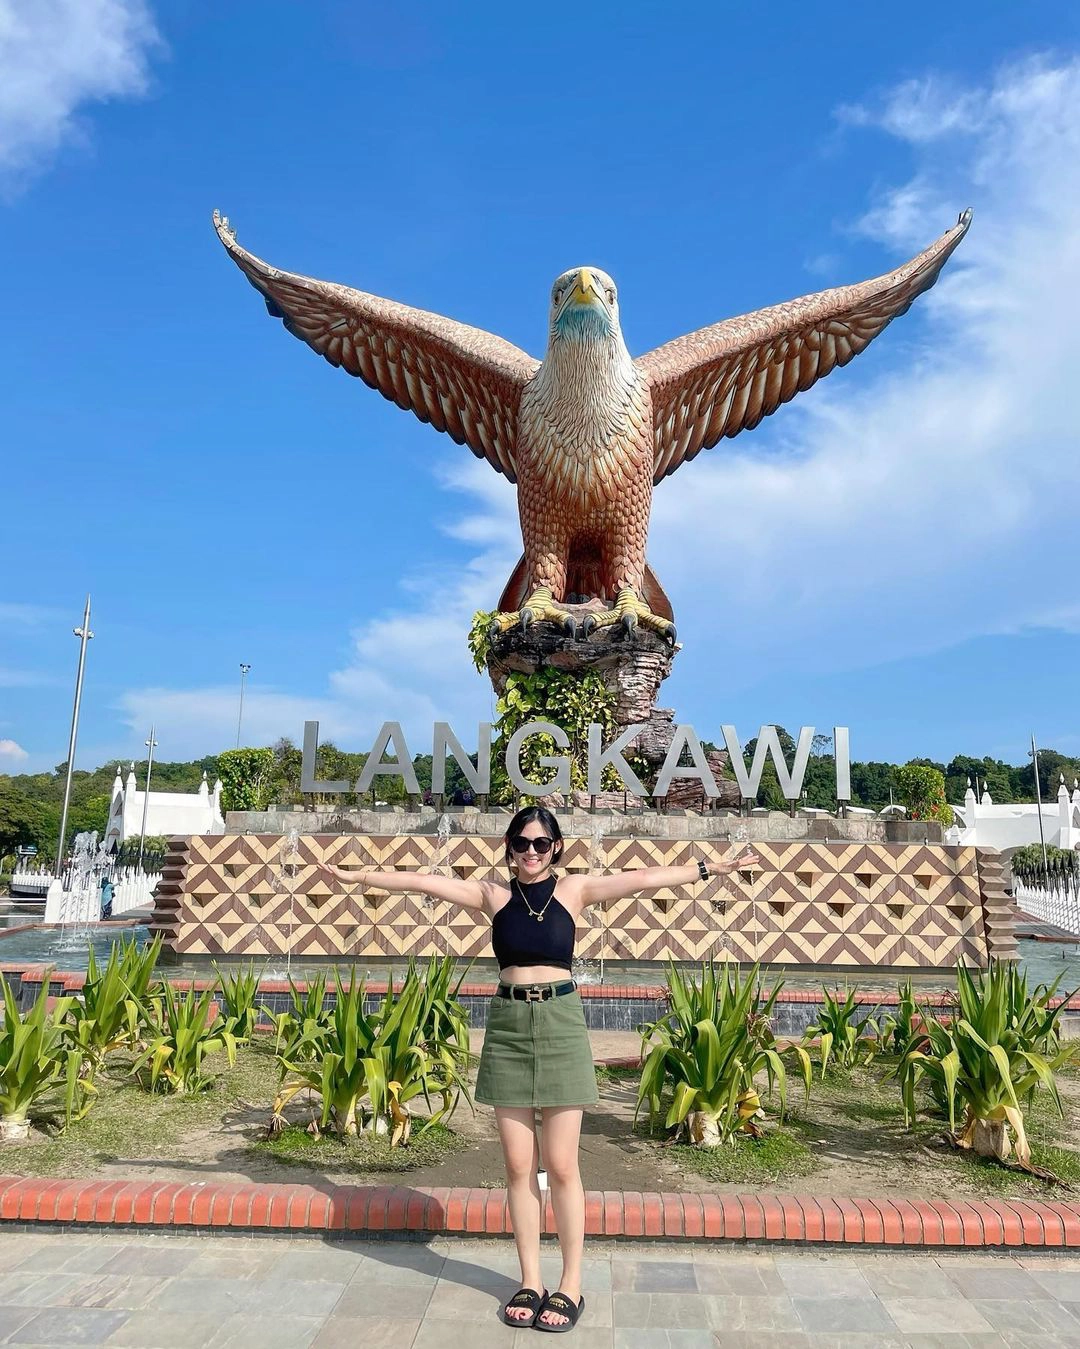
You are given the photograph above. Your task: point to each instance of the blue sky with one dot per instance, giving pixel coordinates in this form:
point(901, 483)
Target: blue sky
point(894, 551)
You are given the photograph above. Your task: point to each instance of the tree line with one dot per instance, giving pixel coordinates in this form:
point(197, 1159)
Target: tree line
point(30, 803)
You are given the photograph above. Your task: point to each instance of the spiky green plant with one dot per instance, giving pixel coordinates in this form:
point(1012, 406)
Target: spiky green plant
point(373, 1064)
point(707, 1051)
point(107, 1015)
point(36, 1057)
point(1002, 1046)
point(239, 998)
point(897, 1030)
point(841, 1032)
point(182, 1033)
point(302, 1031)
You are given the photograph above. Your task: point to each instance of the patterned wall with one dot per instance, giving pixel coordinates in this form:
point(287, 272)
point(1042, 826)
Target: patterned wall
point(852, 904)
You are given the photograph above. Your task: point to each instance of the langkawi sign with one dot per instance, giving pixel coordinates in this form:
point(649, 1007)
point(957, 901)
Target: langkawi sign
point(477, 772)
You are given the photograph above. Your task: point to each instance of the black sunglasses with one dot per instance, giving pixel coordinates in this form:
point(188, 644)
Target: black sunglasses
point(541, 846)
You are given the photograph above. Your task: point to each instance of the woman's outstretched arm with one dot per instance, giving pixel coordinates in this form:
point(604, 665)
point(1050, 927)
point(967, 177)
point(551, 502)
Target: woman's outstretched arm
point(465, 894)
point(622, 884)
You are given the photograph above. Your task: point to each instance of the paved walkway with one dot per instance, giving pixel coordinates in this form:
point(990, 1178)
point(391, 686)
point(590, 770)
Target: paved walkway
point(157, 1291)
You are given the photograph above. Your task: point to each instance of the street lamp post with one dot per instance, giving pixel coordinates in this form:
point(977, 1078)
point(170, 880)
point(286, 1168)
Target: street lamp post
point(240, 715)
point(1038, 799)
point(151, 745)
point(84, 634)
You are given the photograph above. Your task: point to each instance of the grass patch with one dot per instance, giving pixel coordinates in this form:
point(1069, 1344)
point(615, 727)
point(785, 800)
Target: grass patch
point(606, 1073)
point(365, 1153)
point(777, 1156)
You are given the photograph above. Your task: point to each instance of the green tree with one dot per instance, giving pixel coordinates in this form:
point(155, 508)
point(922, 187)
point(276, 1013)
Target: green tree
point(922, 792)
point(246, 778)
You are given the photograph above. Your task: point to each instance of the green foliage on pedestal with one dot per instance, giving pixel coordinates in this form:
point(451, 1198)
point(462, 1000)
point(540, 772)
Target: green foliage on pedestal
point(246, 778)
point(922, 793)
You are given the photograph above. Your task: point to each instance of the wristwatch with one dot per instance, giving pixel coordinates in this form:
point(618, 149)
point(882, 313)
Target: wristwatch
point(703, 870)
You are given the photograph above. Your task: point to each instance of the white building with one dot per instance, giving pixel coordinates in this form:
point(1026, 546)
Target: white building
point(166, 812)
point(980, 823)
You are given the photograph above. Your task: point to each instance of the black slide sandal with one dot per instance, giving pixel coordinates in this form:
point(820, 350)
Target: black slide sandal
point(562, 1306)
point(524, 1297)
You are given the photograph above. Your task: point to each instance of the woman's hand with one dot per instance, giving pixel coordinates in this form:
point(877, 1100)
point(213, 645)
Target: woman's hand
point(351, 878)
point(747, 860)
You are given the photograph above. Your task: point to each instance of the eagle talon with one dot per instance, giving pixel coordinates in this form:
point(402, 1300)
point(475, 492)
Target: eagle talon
point(589, 625)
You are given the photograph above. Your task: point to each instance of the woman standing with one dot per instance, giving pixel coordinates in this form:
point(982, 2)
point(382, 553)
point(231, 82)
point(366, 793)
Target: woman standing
point(536, 1053)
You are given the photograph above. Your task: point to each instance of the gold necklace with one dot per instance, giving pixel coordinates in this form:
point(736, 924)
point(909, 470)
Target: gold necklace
point(538, 916)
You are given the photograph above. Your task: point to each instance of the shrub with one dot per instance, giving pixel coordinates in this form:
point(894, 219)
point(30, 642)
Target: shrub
point(302, 1031)
point(841, 1032)
point(922, 792)
point(898, 1030)
point(108, 1015)
point(246, 777)
point(991, 1059)
point(36, 1056)
point(369, 1066)
point(182, 1032)
point(708, 1050)
point(239, 995)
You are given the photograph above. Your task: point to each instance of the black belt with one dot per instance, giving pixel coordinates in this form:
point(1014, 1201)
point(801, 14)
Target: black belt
point(534, 992)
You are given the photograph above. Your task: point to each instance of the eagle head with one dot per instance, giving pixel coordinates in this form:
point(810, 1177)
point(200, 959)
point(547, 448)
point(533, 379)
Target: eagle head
point(584, 304)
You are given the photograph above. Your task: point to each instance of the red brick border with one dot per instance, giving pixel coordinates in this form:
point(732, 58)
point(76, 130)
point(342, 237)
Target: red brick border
point(398, 1210)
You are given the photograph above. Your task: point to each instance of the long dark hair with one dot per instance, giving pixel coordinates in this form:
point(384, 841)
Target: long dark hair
point(544, 817)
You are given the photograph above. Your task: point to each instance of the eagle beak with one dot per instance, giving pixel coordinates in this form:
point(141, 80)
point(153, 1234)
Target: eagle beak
point(585, 290)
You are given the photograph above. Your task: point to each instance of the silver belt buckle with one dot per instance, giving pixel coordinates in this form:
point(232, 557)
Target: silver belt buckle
point(534, 993)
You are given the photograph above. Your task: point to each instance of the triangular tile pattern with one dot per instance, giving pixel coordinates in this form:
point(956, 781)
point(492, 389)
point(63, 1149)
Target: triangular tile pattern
point(813, 903)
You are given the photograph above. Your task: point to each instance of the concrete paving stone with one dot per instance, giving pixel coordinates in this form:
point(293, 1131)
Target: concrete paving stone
point(831, 1315)
point(929, 1314)
point(19, 1289)
point(660, 1311)
point(266, 1332)
point(156, 1329)
point(1063, 1284)
point(908, 1277)
point(437, 1332)
point(636, 1338)
point(232, 1264)
point(728, 1312)
point(11, 1318)
point(985, 1283)
point(124, 1292)
point(744, 1278)
point(69, 1325)
point(290, 1297)
point(988, 1339)
point(401, 1263)
point(397, 1301)
point(136, 1258)
point(1022, 1339)
point(1045, 1317)
point(368, 1332)
point(456, 1299)
point(69, 1257)
point(818, 1278)
point(1036, 1260)
point(653, 1276)
point(216, 1297)
point(319, 1263)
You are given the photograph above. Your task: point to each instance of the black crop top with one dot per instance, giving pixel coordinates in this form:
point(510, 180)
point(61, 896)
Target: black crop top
point(520, 939)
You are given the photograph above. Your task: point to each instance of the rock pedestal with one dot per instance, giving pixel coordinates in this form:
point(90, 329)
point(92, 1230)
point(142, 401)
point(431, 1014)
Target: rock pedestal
point(633, 666)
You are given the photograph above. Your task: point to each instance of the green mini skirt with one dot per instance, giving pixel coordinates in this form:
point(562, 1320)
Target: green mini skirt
point(536, 1054)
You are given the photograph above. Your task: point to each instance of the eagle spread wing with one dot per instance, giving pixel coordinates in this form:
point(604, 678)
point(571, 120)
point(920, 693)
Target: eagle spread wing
point(462, 380)
point(724, 379)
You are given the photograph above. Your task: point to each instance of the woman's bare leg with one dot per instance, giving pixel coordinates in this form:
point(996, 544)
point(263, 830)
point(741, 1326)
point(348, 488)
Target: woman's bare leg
point(521, 1152)
point(562, 1133)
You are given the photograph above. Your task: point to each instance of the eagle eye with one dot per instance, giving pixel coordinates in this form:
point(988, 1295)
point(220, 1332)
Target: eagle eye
point(611, 297)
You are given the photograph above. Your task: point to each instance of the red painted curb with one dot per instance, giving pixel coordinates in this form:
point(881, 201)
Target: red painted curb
point(398, 1209)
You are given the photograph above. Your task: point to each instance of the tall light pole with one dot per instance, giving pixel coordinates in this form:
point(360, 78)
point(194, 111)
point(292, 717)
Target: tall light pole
point(1038, 798)
point(240, 715)
point(151, 745)
point(84, 634)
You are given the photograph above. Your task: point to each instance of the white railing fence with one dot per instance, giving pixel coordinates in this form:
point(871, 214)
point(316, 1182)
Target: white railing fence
point(1057, 903)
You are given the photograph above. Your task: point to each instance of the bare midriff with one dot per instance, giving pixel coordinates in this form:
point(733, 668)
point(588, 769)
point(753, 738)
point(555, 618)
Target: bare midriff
point(534, 974)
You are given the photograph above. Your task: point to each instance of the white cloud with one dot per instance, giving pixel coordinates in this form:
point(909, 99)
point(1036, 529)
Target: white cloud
point(55, 57)
point(884, 515)
point(12, 751)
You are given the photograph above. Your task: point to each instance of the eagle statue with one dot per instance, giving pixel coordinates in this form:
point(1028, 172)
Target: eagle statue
point(587, 432)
